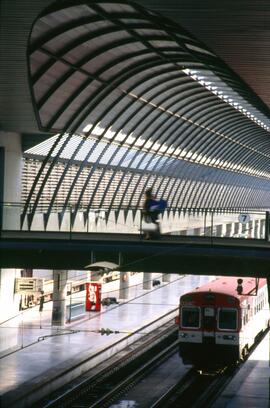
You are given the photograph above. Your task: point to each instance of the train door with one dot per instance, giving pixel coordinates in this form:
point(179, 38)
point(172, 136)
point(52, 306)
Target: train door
point(208, 323)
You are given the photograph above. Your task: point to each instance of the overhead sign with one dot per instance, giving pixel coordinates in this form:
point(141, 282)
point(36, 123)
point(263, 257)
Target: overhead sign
point(28, 285)
point(244, 218)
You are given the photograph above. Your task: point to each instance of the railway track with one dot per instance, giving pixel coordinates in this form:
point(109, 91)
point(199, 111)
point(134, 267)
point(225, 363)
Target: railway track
point(133, 378)
point(95, 383)
point(193, 389)
point(196, 390)
point(122, 374)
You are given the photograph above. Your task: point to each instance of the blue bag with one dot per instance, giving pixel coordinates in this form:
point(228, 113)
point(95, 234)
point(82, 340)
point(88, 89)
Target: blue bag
point(162, 205)
point(158, 205)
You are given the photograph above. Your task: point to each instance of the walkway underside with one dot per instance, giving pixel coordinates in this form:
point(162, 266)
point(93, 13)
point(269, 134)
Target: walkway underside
point(196, 255)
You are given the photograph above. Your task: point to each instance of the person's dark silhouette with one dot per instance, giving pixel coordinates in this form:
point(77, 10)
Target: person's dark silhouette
point(149, 212)
point(41, 300)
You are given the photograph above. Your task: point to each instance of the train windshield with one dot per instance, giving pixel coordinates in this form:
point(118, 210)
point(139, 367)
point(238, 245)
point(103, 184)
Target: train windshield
point(190, 317)
point(227, 319)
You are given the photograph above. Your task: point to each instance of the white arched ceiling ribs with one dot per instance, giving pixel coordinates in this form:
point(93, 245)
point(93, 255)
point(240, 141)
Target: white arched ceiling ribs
point(135, 97)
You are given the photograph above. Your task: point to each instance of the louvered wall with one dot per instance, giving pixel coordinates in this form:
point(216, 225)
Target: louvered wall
point(222, 189)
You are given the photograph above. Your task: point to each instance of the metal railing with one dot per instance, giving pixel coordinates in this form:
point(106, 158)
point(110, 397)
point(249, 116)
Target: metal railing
point(211, 222)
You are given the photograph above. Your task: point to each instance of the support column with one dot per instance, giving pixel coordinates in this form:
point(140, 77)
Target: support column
point(251, 228)
point(243, 229)
point(220, 230)
point(236, 228)
point(124, 285)
point(147, 280)
point(59, 297)
point(10, 192)
point(232, 229)
point(256, 228)
point(10, 178)
point(166, 277)
point(2, 173)
point(262, 229)
point(229, 230)
point(9, 301)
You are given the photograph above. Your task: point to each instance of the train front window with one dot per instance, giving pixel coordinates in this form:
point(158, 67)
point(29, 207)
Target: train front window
point(227, 319)
point(190, 317)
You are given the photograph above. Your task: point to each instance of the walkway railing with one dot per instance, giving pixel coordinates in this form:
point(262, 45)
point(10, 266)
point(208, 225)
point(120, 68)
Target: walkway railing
point(233, 223)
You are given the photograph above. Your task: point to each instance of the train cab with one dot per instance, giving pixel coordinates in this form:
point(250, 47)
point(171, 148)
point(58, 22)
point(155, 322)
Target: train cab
point(216, 322)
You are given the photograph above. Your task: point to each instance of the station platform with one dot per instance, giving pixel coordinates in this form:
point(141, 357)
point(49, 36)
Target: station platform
point(250, 388)
point(33, 352)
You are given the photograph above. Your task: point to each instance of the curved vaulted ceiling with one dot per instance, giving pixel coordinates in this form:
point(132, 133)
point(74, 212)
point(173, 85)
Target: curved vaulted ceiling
point(237, 31)
point(137, 101)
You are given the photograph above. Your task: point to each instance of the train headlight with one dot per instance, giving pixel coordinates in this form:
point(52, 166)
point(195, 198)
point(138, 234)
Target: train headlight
point(229, 337)
point(183, 335)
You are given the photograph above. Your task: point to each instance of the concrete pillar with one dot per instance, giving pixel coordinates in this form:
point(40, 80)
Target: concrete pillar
point(236, 228)
point(88, 276)
point(251, 226)
point(9, 307)
point(10, 177)
point(124, 285)
point(2, 173)
point(9, 300)
point(207, 231)
point(198, 232)
point(243, 229)
point(147, 280)
point(229, 230)
point(256, 229)
point(59, 297)
point(220, 230)
point(262, 229)
point(166, 277)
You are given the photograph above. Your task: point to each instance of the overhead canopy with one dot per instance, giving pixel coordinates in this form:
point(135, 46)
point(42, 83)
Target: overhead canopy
point(103, 266)
point(128, 91)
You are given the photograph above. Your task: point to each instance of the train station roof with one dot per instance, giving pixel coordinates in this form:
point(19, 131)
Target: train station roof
point(125, 89)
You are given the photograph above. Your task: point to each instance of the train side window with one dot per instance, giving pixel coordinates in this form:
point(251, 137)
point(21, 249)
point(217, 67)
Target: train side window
point(227, 319)
point(190, 317)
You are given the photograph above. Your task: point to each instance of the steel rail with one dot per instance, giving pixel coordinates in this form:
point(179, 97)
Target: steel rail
point(99, 374)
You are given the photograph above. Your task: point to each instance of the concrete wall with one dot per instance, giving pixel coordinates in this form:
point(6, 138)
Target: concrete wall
point(9, 301)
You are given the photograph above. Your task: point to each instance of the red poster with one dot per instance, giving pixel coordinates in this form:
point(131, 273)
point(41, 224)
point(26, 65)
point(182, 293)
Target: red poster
point(93, 297)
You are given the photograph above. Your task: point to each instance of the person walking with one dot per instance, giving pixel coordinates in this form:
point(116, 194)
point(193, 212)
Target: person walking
point(150, 213)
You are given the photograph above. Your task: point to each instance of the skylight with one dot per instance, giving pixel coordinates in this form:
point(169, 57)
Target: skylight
point(211, 82)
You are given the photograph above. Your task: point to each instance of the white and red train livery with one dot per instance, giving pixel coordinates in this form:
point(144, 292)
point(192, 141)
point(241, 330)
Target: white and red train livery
point(219, 321)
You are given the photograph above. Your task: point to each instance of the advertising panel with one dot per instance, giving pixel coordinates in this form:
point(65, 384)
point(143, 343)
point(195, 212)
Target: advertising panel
point(93, 297)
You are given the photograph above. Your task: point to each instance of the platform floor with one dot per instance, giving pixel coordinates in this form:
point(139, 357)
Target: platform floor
point(251, 387)
point(40, 357)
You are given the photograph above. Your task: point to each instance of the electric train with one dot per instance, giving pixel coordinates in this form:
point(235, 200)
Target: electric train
point(219, 321)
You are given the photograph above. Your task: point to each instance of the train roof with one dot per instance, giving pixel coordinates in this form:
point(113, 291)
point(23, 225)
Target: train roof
point(228, 285)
